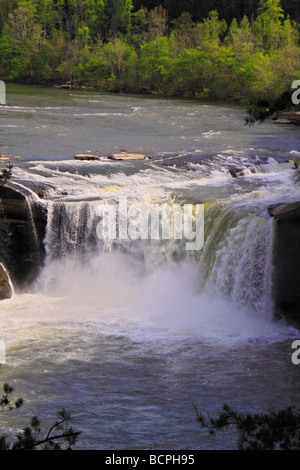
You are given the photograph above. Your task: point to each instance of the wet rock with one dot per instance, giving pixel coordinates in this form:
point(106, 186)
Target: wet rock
point(286, 285)
point(127, 156)
point(287, 117)
point(22, 232)
point(275, 209)
point(83, 157)
point(235, 172)
point(5, 288)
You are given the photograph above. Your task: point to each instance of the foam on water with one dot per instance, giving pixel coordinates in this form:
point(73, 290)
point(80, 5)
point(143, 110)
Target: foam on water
point(112, 295)
point(136, 331)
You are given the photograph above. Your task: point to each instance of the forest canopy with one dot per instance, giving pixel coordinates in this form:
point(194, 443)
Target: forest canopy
point(213, 50)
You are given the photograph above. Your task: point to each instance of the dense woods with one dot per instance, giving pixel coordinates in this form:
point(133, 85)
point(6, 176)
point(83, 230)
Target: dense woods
point(213, 50)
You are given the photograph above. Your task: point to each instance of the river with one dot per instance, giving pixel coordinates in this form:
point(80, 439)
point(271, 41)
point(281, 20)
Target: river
point(127, 335)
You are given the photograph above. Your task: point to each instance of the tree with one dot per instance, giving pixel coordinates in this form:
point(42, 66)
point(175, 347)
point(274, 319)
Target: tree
point(119, 56)
point(139, 26)
point(158, 23)
point(272, 74)
point(269, 23)
point(188, 34)
point(5, 175)
point(22, 44)
point(241, 37)
point(119, 14)
point(273, 430)
point(155, 63)
point(213, 28)
point(60, 435)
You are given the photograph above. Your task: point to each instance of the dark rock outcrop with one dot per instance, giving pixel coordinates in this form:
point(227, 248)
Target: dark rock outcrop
point(287, 117)
point(22, 231)
point(235, 172)
point(287, 261)
point(83, 157)
point(5, 287)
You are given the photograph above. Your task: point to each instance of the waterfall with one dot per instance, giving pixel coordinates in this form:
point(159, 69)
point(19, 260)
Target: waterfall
point(8, 278)
point(31, 199)
point(237, 257)
point(236, 262)
point(71, 229)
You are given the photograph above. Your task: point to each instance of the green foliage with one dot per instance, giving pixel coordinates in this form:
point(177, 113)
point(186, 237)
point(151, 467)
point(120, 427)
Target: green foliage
point(273, 430)
point(60, 436)
point(109, 45)
point(5, 175)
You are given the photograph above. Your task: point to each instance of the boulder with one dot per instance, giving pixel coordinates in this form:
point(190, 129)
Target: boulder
point(5, 287)
point(235, 172)
point(22, 232)
point(127, 156)
point(275, 209)
point(82, 157)
point(286, 282)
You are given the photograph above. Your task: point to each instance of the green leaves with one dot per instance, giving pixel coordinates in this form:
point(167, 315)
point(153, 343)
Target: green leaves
point(6, 403)
point(5, 175)
point(266, 431)
point(60, 436)
point(105, 44)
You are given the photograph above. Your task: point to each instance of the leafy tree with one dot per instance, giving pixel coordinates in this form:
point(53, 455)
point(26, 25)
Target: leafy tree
point(269, 23)
point(119, 14)
point(118, 56)
point(187, 34)
point(274, 430)
point(139, 27)
point(213, 28)
point(155, 62)
point(60, 435)
point(241, 37)
point(5, 175)
point(182, 48)
point(158, 23)
point(272, 74)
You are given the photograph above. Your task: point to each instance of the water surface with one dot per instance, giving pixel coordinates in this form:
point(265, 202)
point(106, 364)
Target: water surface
point(128, 335)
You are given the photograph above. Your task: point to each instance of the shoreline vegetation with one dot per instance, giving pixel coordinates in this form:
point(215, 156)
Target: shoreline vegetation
point(124, 47)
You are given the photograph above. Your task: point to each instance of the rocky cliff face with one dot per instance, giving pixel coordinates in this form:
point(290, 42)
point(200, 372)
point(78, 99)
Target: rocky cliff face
point(287, 261)
point(22, 231)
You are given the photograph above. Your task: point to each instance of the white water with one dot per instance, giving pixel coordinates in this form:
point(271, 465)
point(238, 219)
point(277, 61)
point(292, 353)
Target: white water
point(8, 278)
point(127, 335)
point(142, 329)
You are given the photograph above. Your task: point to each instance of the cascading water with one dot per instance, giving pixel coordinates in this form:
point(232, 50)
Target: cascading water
point(127, 334)
point(8, 278)
point(233, 269)
point(31, 199)
point(237, 258)
point(236, 262)
point(71, 229)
